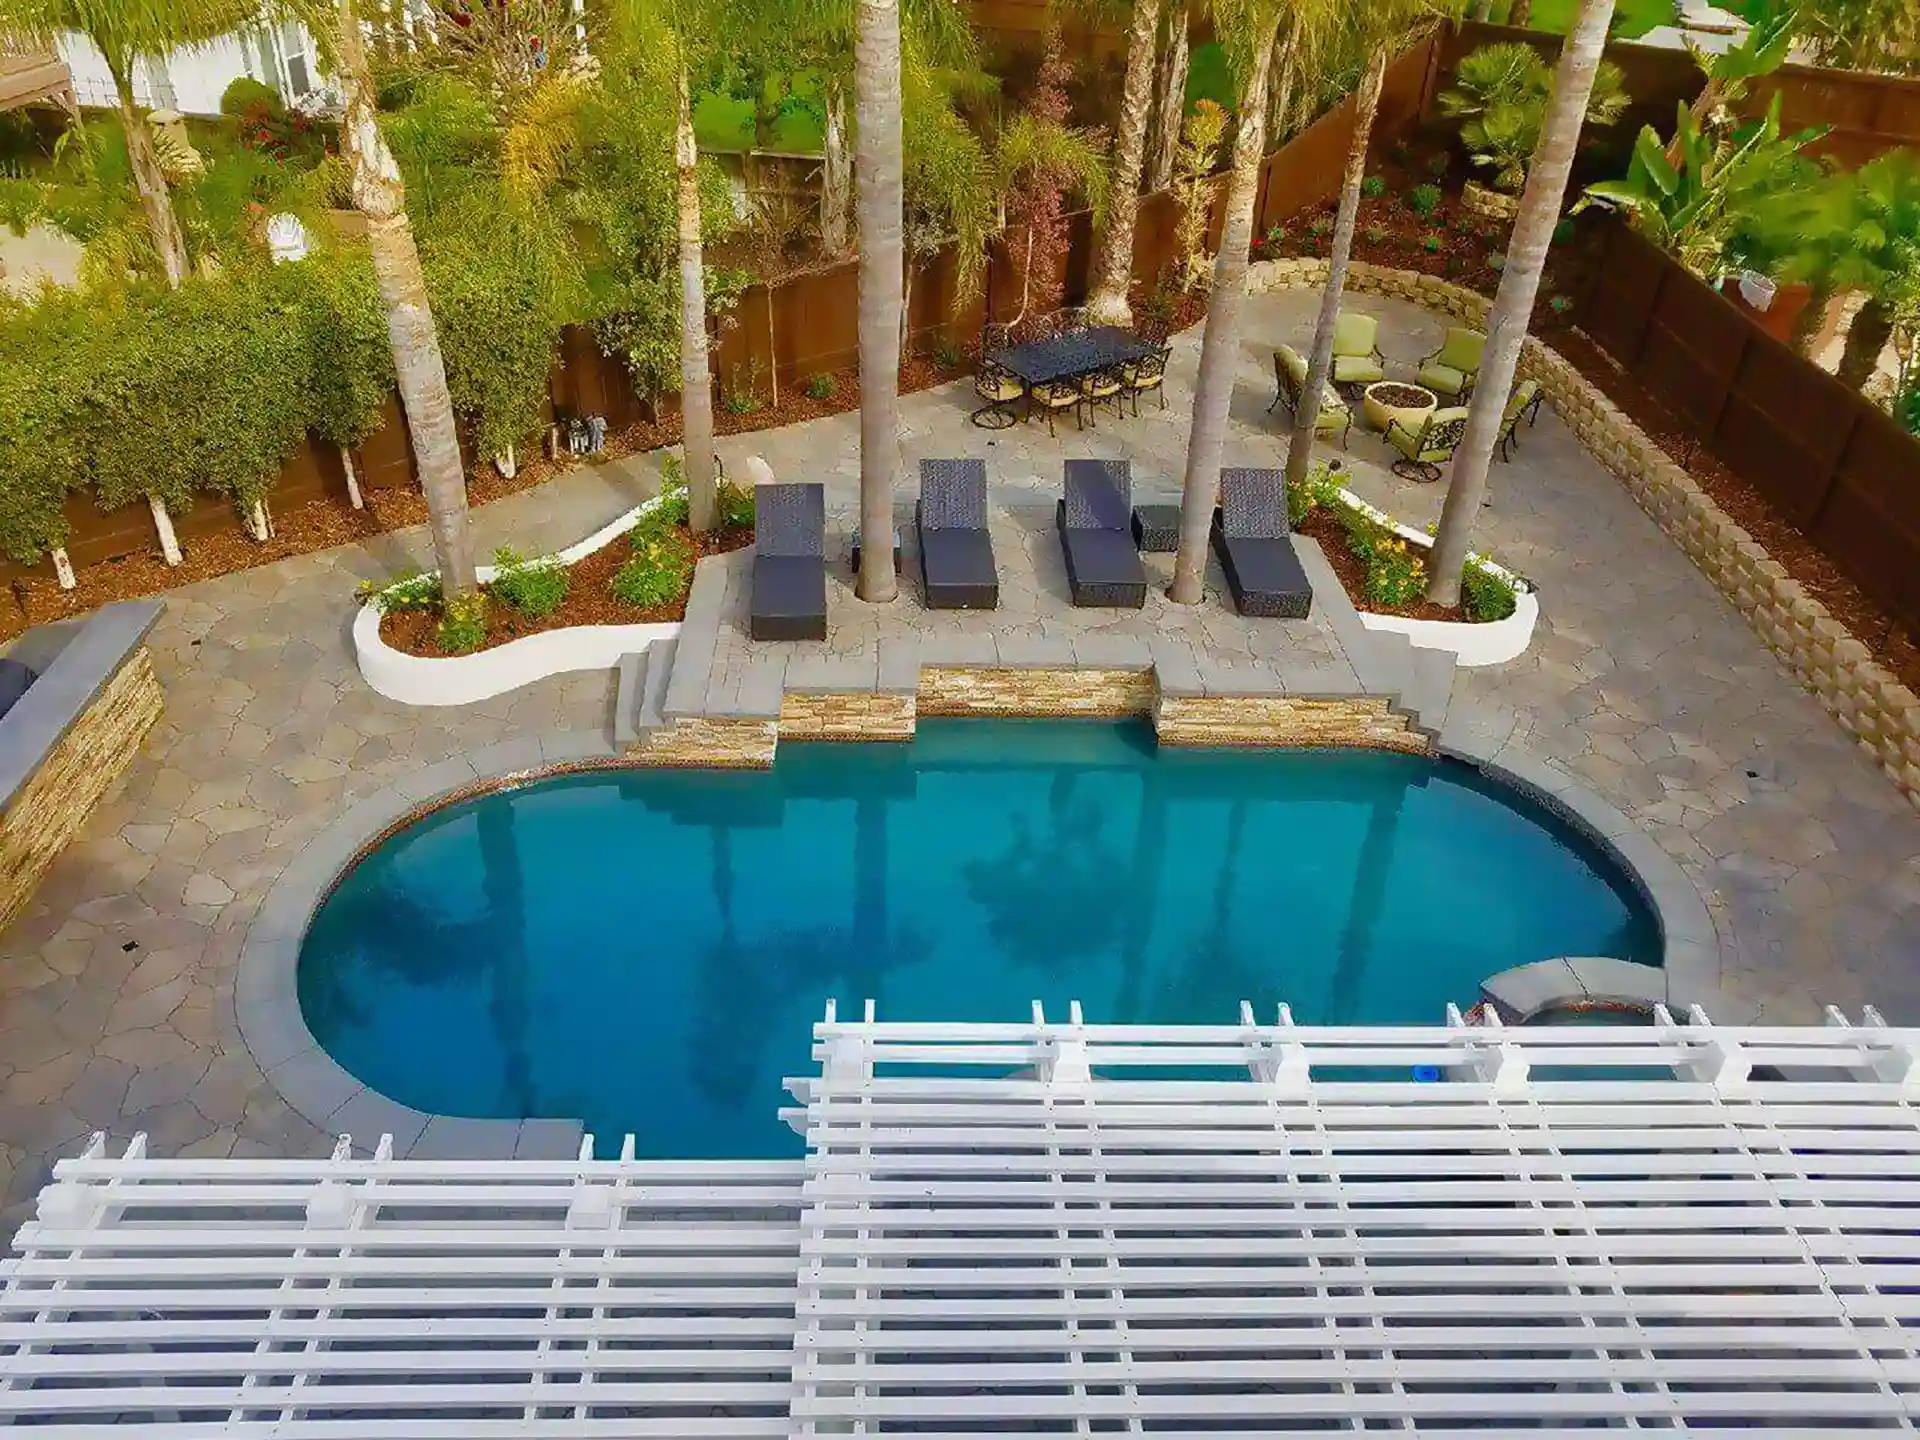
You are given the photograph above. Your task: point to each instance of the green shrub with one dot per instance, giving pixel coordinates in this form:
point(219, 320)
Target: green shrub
point(533, 587)
point(947, 355)
point(1320, 225)
point(1376, 234)
point(1396, 570)
point(658, 570)
point(734, 505)
point(1496, 261)
point(1907, 408)
point(1319, 486)
point(247, 93)
point(820, 387)
point(1424, 201)
point(1373, 187)
point(463, 624)
point(414, 592)
point(1439, 163)
point(1432, 242)
point(1485, 595)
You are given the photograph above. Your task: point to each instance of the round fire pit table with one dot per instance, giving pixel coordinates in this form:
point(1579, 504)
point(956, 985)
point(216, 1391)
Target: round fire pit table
point(1386, 401)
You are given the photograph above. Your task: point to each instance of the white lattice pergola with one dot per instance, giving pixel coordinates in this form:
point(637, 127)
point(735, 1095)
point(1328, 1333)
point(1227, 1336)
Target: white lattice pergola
point(1053, 1228)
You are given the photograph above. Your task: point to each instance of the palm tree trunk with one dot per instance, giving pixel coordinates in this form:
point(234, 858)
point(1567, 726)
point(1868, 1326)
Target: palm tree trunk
point(836, 177)
point(1482, 10)
point(1540, 206)
point(1219, 344)
point(1867, 337)
point(1113, 261)
point(878, 176)
point(422, 378)
point(1320, 363)
point(1813, 318)
point(1521, 13)
point(148, 178)
point(696, 378)
point(1171, 107)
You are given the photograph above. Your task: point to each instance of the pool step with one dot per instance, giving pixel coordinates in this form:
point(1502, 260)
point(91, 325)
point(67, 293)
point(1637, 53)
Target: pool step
point(641, 689)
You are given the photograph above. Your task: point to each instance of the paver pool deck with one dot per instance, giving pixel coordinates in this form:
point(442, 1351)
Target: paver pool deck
point(116, 988)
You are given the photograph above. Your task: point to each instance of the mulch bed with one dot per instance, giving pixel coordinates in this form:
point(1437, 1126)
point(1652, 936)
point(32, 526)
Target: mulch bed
point(1332, 536)
point(1389, 234)
point(590, 601)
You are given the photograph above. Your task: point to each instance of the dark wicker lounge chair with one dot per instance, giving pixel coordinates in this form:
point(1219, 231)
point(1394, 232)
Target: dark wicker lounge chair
point(956, 553)
point(1255, 546)
point(789, 600)
point(1095, 519)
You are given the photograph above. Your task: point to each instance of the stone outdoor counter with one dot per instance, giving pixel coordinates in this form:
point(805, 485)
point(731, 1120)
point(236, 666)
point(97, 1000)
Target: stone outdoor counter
point(71, 735)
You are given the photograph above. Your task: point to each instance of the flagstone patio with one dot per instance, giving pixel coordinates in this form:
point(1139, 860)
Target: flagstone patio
point(116, 989)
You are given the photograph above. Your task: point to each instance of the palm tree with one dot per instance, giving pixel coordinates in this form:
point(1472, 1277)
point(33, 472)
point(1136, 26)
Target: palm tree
point(878, 184)
point(1170, 101)
point(696, 375)
point(1251, 30)
point(1113, 257)
point(379, 194)
point(1540, 207)
point(1384, 25)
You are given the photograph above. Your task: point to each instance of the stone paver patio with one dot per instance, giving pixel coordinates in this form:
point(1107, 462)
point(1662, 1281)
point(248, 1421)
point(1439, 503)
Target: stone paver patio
point(116, 989)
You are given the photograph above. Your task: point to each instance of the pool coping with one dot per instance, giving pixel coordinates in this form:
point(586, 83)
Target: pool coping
point(266, 1002)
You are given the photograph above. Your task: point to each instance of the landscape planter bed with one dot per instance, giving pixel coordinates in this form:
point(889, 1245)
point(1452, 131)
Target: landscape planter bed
point(434, 679)
point(1427, 626)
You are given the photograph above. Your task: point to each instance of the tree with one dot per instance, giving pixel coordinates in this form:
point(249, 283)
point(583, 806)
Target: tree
point(126, 33)
point(1730, 74)
point(1113, 256)
point(1250, 29)
point(1520, 13)
point(1384, 27)
point(1512, 308)
point(1500, 95)
point(379, 194)
point(878, 182)
point(1170, 99)
point(1865, 35)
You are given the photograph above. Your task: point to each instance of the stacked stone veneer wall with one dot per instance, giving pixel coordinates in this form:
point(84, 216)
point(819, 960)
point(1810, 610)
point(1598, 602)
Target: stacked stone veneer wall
point(95, 752)
point(1839, 671)
point(890, 715)
point(1284, 720)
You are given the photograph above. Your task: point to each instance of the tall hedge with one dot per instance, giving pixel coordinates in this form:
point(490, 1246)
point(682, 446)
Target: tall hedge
point(204, 390)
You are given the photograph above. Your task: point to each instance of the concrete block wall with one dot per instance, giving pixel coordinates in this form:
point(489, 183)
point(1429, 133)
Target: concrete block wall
point(1832, 664)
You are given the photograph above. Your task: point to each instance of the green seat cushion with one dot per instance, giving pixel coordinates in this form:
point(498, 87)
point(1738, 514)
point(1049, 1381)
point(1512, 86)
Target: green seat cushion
point(1414, 444)
point(1294, 363)
point(1355, 334)
point(1462, 351)
point(1356, 370)
point(1442, 379)
point(1522, 397)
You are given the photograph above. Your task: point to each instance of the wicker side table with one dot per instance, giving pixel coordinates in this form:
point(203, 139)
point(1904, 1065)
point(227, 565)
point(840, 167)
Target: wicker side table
point(1156, 528)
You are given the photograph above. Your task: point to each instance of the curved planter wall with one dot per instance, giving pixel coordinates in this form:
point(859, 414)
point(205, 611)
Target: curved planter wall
point(1491, 642)
point(463, 679)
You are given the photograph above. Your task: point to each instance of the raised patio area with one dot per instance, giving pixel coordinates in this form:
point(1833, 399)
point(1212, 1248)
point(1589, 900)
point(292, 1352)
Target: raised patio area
point(117, 986)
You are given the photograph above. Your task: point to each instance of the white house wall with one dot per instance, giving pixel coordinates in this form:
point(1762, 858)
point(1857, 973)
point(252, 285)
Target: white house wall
point(198, 76)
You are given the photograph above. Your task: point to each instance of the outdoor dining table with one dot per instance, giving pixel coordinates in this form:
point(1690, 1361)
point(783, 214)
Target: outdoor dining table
point(1068, 357)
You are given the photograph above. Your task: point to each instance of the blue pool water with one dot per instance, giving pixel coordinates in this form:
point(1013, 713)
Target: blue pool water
point(646, 951)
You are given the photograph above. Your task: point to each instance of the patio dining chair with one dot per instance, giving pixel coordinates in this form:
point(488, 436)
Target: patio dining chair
point(1103, 387)
point(1452, 369)
point(1054, 396)
point(995, 335)
point(1149, 372)
point(1001, 390)
point(1290, 379)
point(1357, 360)
point(1069, 319)
point(1423, 450)
point(1523, 404)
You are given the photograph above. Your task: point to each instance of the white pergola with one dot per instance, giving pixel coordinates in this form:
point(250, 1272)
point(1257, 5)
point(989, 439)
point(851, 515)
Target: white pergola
point(1052, 1228)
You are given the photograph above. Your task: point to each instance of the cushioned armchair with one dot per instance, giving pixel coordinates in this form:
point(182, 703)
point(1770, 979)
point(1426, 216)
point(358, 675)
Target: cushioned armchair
point(1290, 379)
point(1523, 404)
point(1423, 450)
point(1356, 355)
point(1452, 369)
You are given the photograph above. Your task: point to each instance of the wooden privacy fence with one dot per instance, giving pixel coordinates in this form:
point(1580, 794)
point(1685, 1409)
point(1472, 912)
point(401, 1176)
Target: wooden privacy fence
point(807, 325)
point(1833, 463)
point(1869, 114)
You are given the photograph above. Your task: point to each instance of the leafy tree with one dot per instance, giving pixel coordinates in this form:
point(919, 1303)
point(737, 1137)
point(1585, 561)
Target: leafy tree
point(1113, 252)
point(1865, 34)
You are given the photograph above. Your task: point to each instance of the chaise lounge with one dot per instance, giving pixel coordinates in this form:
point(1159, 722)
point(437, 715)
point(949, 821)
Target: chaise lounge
point(1254, 542)
point(1095, 520)
point(956, 553)
point(789, 599)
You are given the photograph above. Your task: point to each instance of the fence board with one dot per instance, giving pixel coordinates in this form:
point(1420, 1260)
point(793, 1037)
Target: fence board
point(1785, 435)
point(1870, 523)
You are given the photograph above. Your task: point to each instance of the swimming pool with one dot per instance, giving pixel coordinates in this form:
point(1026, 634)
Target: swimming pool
point(645, 950)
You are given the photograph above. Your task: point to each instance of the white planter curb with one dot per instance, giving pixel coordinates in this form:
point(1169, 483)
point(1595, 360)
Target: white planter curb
point(1490, 642)
point(463, 679)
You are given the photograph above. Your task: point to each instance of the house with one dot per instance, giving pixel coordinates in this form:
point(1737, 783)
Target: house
point(191, 81)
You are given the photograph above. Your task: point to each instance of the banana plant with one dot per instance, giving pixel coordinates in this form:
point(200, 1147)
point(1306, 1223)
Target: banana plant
point(1763, 50)
point(1691, 208)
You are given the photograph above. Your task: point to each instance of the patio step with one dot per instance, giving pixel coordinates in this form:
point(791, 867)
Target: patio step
point(641, 689)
